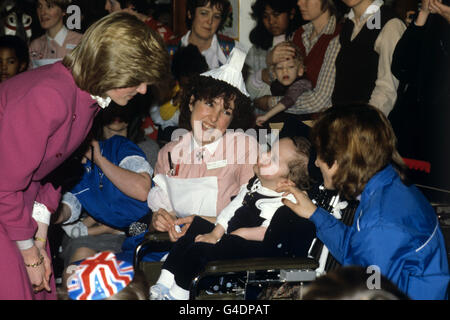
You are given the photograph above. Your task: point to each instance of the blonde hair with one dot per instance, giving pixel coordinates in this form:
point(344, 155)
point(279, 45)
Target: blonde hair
point(118, 51)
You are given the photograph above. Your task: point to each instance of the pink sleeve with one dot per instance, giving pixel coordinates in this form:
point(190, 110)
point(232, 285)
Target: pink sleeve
point(49, 196)
point(26, 125)
point(162, 166)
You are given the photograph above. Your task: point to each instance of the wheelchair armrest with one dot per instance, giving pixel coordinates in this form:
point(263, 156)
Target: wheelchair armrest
point(157, 237)
point(283, 265)
point(258, 264)
point(153, 242)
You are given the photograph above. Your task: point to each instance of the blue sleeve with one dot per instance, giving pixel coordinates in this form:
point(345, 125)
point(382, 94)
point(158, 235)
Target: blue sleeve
point(332, 232)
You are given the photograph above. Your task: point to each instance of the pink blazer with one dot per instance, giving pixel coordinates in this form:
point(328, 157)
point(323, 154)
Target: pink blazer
point(44, 117)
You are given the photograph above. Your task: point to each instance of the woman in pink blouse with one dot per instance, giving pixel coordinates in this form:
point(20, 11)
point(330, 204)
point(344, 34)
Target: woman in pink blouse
point(45, 114)
point(198, 173)
point(57, 40)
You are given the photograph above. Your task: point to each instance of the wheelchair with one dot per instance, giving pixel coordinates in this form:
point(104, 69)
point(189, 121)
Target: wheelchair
point(247, 279)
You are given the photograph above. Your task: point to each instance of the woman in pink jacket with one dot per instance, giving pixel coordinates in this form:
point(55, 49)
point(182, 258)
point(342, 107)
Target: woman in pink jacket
point(45, 114)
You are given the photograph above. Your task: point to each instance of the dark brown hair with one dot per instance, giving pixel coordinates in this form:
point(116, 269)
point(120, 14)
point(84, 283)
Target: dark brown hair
point(350, 283)
point(208, 89)
point(362, 142)
point(298, 168)
point(223, 5)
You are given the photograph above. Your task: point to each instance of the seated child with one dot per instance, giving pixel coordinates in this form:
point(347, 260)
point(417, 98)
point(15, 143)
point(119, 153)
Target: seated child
point(104, 277)
point(289, 83)
point(13, 56)
point(254, 224)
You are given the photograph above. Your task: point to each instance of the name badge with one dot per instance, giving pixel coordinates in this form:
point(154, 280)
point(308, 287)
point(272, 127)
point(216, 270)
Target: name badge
point(216, 164)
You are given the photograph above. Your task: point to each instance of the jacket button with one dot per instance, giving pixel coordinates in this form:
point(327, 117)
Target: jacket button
point(74, 116)
point(59, 155)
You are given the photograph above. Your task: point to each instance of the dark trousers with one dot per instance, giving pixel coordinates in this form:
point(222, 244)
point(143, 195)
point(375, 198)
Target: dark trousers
point(188, 258)
point(288, 235)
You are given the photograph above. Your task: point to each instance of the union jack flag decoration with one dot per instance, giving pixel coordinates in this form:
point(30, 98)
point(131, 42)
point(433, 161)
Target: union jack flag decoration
point(99, 277)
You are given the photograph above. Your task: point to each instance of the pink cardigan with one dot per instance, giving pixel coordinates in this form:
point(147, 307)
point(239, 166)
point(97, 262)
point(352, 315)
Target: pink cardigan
point(44, 117)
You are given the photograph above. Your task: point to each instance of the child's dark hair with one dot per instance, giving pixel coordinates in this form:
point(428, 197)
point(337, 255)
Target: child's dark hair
point(350, 283)
point(223, 5)
point(188, 61)
point(298, 168)
point(139, 5)
point(19, 46)
point(207, 88)
point(259, 35)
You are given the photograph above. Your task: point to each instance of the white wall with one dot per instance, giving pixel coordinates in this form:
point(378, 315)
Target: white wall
point(246, 23)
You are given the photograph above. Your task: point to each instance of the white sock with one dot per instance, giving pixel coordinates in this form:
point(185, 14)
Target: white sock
point(167, 278)
point(178, 292)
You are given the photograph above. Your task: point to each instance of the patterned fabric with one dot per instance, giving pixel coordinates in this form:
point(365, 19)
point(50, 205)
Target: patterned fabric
point(164, 31)
point(99, 277)
point(225, 44)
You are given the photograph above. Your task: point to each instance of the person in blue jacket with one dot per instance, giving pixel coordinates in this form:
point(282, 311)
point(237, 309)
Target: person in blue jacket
point(394, 228)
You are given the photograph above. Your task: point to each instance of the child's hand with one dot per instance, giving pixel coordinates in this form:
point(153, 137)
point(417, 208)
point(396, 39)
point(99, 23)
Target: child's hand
point(260, 120)
point(208, 238)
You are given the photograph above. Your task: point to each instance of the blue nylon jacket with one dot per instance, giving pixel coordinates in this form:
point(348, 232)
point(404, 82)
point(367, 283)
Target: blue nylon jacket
point(396, 229)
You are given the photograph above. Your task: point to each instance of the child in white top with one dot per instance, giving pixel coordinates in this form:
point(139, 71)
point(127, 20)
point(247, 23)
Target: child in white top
point(254, 224)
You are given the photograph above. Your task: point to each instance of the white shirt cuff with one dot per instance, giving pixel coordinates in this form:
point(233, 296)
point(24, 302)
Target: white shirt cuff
point(41, 213)
point(25, 244)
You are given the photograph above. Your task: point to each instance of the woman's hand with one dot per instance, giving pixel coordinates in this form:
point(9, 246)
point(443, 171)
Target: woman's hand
point(304, 206)
point(282, 52)
point(39, 275)
point(162, 220)
point(179, 228)
point(436, 6)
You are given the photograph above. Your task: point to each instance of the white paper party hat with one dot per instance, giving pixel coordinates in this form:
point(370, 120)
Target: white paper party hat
point(231, 72)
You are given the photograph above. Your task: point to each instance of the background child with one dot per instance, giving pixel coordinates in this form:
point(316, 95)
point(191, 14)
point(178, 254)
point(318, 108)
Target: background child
point(13, 56)
point(289, 83)
point(254, 224)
